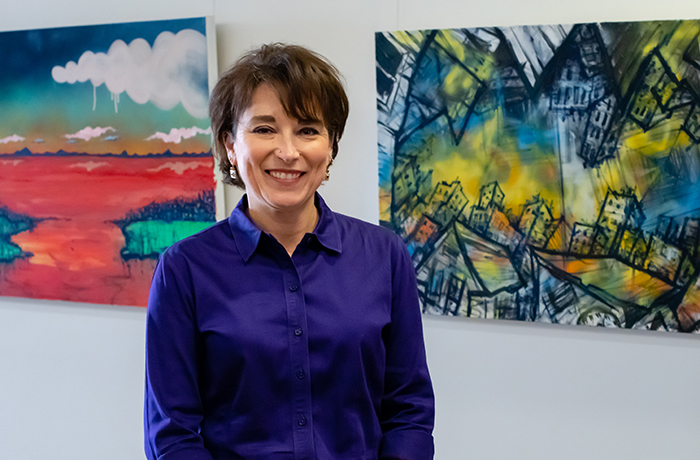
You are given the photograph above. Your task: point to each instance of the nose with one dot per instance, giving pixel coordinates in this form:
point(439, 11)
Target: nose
point(286, 149)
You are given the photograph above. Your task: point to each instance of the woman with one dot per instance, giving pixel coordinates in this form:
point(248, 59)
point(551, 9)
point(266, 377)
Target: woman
point(286, 331)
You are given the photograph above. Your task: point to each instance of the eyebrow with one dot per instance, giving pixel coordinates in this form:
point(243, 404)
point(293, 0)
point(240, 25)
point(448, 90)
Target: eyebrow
point(271, 119)
point(263, 119)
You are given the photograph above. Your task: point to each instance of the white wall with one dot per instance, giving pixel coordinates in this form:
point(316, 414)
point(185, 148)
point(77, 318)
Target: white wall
point(71, 375)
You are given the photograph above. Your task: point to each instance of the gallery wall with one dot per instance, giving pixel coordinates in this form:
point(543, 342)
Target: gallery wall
point(71, 375)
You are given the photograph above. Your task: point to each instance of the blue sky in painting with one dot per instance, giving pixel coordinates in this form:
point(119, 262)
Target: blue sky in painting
point(24, 53)
point(42, 112)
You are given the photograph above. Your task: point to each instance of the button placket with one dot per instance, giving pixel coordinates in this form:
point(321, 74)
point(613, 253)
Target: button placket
point(299, 362)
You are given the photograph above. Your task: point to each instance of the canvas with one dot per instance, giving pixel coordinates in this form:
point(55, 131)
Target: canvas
point(546, 173)
point(105, 156)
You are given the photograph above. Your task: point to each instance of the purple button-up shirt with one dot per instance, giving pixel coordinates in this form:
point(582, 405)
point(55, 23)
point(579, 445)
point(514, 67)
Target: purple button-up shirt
point(253, 354)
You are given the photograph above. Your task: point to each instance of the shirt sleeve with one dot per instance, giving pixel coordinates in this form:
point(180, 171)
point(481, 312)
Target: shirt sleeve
point(172, 405)
point(408, 407)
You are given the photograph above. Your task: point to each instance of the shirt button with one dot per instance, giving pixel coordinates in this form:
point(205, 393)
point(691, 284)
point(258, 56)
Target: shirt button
point(297, 331)
point(293, 288)
point(300, 374)
point(302, 421)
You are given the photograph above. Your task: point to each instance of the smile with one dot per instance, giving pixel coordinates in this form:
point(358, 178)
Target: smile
point(285, 175)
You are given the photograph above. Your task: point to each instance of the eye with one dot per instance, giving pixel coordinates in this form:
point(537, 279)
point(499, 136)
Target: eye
point(308, 131)
point(263, 130)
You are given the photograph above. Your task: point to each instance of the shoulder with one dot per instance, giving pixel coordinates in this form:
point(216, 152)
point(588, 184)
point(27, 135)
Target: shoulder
point(356, 233)
point(355, 225)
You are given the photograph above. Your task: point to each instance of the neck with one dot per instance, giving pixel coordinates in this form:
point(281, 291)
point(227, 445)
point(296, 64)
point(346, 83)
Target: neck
point(289, 226)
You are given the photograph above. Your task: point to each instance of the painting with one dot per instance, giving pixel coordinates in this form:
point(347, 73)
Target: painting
point(546, 173)
point(105, 155)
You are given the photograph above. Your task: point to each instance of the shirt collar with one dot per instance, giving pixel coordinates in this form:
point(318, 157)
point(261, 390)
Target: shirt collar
point(246, 234)
point(327, 230)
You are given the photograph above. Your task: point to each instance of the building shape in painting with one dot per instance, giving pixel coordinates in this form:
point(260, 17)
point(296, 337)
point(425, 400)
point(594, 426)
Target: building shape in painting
point(581, 89)
point(599, 122)
point(691, 125)
point(663, 259)
point(537, 224)
point(674, 248)
point(491, 196)
point(581, 238)
point(447, 201)
point(410, 186)
point(655, 92)
point(634, 247)
point(619, 212)
point(422, 238)
point(690, 236)
point(490, 200)
point(489, 219)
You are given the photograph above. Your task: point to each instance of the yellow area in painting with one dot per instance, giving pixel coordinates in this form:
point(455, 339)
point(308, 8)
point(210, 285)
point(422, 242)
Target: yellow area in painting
point(652, 142)
point(488, 153)
point(608, 176)
point(680, 39)
point(384, 205)
point(618, 279)
point(459, 84)
point(480, 64)
point(650, 46)
point(412, 39)
point(576, 266)
point(451, 44)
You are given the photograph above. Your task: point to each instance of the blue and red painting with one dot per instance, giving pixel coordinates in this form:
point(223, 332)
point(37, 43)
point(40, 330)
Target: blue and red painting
point(105, 156)
point(546, 173)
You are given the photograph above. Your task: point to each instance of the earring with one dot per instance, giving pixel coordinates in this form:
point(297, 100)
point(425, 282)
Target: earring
point(328, 170)
point(233, 173)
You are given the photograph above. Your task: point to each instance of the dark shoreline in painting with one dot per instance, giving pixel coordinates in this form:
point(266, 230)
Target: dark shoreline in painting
point(148, 231)
point(25, 152)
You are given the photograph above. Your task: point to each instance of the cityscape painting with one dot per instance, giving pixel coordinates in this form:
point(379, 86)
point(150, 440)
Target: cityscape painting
point(546, 173)
point(105, 156)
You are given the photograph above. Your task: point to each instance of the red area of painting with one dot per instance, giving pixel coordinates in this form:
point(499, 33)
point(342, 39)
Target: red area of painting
point(76, 249)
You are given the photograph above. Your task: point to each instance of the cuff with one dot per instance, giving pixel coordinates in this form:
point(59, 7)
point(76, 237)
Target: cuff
point(190, 453)
point(407, 445)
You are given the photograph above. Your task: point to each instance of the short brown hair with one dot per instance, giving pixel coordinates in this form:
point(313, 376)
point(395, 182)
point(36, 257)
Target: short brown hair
point(308, 86)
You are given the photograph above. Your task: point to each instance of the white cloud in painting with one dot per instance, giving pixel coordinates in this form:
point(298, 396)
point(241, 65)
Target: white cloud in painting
point(179, 167)
point(175, 136)
point(38, 141)
point(88, 133)
point(13, 138)
point(111, 138)
point(89, 165)
point(173, 71)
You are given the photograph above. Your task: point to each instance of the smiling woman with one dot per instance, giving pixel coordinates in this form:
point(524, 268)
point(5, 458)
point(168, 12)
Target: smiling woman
point(281, 161)
point(286, 331)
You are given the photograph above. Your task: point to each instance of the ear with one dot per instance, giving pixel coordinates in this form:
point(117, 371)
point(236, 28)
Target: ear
point(229, 148)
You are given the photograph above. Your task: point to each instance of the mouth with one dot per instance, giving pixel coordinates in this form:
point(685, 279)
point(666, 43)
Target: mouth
point(285, 175)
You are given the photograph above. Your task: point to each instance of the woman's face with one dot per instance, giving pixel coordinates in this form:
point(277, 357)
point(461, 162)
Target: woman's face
point(281, 160)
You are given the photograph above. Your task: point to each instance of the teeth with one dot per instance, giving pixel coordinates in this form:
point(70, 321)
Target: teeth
point(284, 176)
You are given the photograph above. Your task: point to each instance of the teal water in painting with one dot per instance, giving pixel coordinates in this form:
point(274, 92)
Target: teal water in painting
point(148, 239)
point(11, 224)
